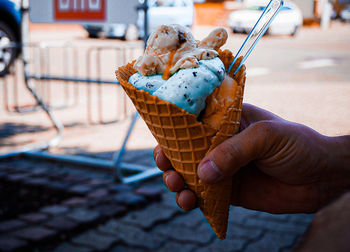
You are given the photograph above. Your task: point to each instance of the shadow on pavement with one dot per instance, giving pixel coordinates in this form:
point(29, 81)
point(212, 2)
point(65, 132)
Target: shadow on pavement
point(8, 130)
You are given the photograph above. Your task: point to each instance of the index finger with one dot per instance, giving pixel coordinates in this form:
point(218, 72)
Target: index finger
point(162, 161)
point(252, 114)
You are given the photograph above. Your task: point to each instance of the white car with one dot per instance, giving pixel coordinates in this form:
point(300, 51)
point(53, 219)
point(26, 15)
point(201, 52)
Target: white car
point(167, 12)
point(287, 21)
point(345, 14)
point(159, 12)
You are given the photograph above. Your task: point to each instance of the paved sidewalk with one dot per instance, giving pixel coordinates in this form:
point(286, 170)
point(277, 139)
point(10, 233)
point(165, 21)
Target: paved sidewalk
point(48, 206)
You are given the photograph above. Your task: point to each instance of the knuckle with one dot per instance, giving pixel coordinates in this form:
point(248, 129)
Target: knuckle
point(232, 151)
point(226, 154)
point(222, 149)
point(263, 129)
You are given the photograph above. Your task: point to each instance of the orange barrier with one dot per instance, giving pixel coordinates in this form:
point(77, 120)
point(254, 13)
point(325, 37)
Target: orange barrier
point(213, 14)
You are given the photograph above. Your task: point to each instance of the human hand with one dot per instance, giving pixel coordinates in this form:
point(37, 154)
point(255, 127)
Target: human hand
point(276, 166)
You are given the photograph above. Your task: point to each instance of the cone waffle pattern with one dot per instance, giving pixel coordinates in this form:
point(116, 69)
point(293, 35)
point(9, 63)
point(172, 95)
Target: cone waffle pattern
point(185, 141)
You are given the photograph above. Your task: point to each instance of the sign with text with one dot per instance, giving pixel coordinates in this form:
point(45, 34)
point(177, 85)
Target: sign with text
point(83, 11)
point(80, 10)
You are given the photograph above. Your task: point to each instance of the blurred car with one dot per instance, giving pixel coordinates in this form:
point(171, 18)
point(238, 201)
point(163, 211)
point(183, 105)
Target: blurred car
point(124, 31)
point(159, 12)
point(10, 32)
point(287, 22)
point(164, 12)
point(345, 14)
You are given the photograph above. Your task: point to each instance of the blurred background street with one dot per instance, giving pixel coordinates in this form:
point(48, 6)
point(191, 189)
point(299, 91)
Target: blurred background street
point(303, 77)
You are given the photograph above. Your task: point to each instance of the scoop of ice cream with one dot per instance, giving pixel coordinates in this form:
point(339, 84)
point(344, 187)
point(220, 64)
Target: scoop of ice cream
point(189, 88)
point(218, 102)
point(173, 47)
point(216, 39)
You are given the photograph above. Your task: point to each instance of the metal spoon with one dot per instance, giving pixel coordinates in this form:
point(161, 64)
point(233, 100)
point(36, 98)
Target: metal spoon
point(256, 33)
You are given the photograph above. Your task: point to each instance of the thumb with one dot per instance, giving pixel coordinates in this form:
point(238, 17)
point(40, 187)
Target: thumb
point(228, 157)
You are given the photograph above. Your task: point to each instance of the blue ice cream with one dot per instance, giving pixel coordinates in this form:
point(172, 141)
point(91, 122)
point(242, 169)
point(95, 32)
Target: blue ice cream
point(187, 88)
point(178, 69)
point(148, 83)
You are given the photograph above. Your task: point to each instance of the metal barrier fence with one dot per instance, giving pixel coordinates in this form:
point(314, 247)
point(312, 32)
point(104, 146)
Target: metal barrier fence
point(58, 75)
point(66, 71)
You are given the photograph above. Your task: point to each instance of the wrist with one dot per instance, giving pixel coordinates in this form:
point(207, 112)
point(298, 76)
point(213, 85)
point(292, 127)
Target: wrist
point(337, 173)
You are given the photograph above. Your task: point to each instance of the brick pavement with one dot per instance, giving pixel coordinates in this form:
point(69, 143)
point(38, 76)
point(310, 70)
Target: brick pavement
point(53, 214)
point(114, 217)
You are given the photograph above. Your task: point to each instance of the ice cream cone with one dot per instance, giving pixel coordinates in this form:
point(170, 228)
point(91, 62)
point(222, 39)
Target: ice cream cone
point(185, 140)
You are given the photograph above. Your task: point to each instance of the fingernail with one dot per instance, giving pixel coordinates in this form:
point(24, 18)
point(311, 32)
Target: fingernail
point(165, 178)
point(209, 172)
point(156, 154)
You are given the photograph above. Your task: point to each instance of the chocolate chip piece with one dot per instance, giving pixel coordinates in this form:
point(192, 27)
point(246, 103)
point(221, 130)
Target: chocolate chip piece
point(181, 38)
point(194, 74)
point(149, 85)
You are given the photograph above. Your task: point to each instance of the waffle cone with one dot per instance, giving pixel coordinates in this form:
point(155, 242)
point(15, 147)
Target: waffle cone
point(185, 140)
